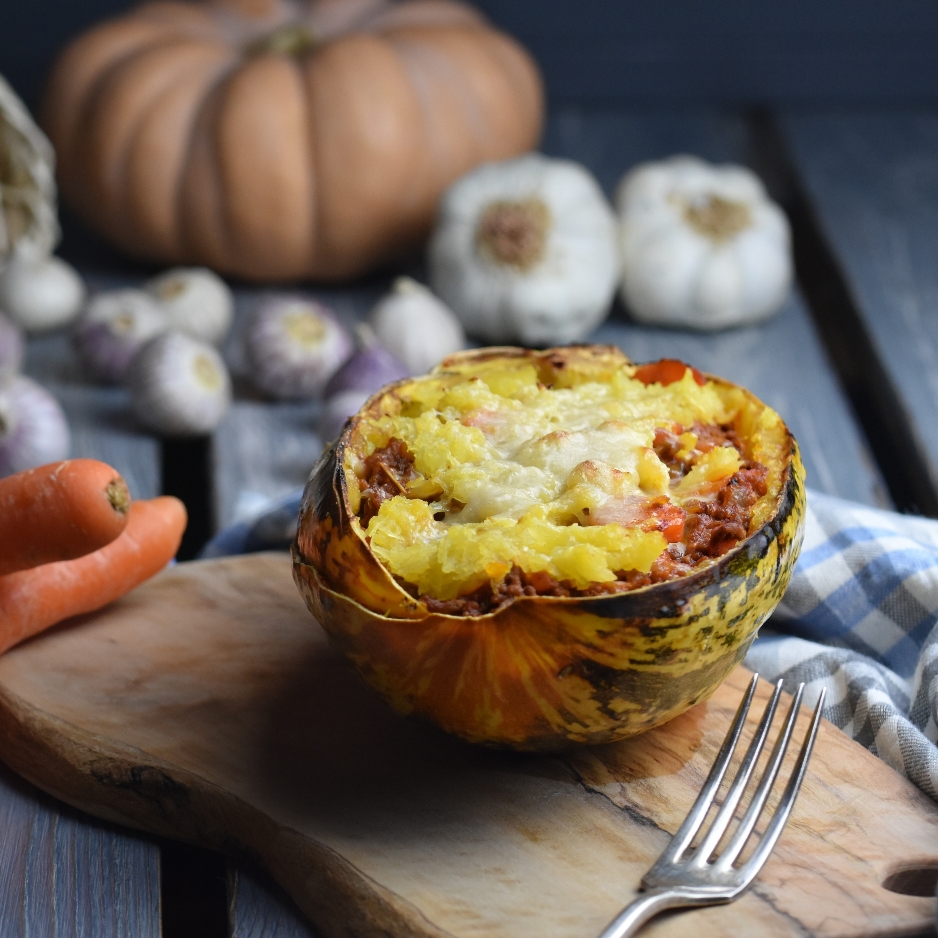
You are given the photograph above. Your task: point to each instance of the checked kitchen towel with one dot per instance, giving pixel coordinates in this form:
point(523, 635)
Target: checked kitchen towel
point(860, 618)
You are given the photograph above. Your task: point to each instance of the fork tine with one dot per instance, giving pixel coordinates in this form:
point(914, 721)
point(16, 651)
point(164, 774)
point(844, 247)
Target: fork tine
point(706, 847)
point(755, 863)
point(695, 817)
point(741, 835)
point(671, 883)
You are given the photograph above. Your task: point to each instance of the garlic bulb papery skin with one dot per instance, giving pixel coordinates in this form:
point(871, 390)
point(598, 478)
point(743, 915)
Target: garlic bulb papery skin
point(337, 410)
point(416, 327)
point(33, 428)
point(28, 221)
point(12, 349)
point(179, 386)
point(196, 301)
point(294, 346)
point(116, 324)
point(40, 293)
point(526, 250)
point(703, 246)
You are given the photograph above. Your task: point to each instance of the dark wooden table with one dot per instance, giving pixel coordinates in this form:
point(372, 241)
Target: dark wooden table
point(851, 363)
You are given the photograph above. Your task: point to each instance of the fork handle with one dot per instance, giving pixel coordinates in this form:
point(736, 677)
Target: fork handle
point(648, 905)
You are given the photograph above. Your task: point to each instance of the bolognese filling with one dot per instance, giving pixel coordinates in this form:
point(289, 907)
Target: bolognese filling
point(485, 487)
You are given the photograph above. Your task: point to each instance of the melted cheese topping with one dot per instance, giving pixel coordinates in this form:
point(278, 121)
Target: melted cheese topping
point(517, 473)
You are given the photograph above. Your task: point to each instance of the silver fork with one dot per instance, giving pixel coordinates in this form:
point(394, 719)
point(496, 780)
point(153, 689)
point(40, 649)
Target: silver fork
point(683, 877)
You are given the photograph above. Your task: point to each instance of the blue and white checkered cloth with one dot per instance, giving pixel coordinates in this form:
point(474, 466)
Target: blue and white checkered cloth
point(860, 618)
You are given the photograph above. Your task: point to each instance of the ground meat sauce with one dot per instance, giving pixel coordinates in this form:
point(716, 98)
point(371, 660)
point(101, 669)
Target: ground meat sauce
point(668, 444)
point(711, 527)
point(387, 472)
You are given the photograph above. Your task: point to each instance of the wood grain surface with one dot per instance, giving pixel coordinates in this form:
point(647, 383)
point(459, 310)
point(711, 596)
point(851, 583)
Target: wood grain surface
point(99, 417)
point(207, 706)
point(264, 449)
point(873, 179)
point(258, 908)
point(65, 874)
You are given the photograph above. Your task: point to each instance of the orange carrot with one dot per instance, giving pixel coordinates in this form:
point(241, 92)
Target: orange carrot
point(32, 600)
point(59, 512)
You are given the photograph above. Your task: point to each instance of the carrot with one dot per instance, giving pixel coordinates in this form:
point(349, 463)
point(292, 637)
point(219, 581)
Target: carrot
point(59, 512)
point(32, 600)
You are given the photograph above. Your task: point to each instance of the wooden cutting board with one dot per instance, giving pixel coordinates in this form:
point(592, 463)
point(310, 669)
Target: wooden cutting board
point(207, 706)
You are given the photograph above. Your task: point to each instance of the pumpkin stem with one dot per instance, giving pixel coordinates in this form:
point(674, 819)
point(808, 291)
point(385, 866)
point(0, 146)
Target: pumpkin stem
point(514, 233)
point(717, 218)
point(294, 40)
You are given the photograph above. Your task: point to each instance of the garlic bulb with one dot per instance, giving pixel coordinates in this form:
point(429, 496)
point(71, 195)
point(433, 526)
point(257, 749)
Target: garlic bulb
point(526, 250)
point(368, 370)
point(702, 246)
point(337, 410)
point(179, 386)
point(40, 293)
point(28, 221)
point(12, 349)
point(33, 428)
point(116, 324)
point(196, 301)
point(415, 327)
point(294, 346)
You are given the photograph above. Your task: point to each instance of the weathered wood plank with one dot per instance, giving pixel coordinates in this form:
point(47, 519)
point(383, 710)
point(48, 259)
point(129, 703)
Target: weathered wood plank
point(782, 360)
point(99, 417)
point(258, 908)
point(265, 449)
point(602, 50)
point(69, 875)
point(62, 873)
point(873, 178)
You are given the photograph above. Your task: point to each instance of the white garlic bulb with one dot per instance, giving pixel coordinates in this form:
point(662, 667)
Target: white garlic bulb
point(336, 410)
point(33, 428)
point(702, 246)
point(12, 349)
point(40, 292)
point(179, 386)
point(28, 222)
point(115, 325)
point(418, 329)
point(294, 346)
point(526, 250)
point(196, 301)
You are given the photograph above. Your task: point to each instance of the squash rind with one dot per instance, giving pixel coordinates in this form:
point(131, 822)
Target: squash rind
point(542, 673)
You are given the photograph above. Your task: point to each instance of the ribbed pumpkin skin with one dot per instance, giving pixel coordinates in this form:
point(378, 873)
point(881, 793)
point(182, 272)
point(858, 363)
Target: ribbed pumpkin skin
point(543, 673)
point(182, 143)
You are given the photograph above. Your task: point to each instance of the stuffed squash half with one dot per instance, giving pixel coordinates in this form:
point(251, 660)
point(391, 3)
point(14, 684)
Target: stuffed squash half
point(534, 549)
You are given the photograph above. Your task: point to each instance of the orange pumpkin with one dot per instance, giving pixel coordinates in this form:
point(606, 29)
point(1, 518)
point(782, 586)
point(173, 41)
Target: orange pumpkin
point(281, 139)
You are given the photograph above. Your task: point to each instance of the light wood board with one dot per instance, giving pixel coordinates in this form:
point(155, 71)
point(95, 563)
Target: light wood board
point(208, 706)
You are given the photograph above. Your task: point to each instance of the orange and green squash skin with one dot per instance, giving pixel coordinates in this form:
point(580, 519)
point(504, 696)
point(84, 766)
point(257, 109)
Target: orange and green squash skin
point(542, 673)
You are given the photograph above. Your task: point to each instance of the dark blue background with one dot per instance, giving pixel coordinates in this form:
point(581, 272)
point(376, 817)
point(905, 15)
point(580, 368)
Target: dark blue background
point(638, 51)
